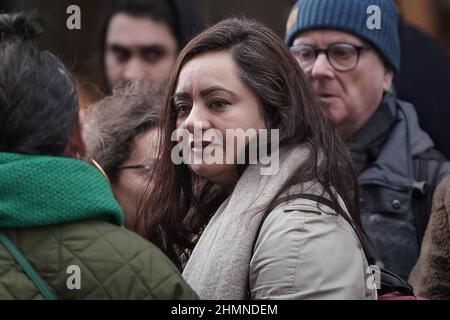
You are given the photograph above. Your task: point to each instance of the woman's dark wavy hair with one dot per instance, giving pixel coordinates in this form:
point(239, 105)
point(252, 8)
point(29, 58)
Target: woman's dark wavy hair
point(38, 100)
point(178, 207)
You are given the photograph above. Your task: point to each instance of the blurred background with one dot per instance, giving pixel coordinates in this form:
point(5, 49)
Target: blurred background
point(79, 49)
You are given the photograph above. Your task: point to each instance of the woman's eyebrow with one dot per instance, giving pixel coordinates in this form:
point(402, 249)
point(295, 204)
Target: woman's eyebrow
point(210, 90)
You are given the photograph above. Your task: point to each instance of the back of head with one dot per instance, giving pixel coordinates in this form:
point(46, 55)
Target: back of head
point(38, 101)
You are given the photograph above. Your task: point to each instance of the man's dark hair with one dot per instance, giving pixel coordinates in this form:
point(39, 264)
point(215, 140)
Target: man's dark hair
point(38, 100)
point(158, 10)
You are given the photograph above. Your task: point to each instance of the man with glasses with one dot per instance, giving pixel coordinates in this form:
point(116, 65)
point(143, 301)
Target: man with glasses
point(350, 52)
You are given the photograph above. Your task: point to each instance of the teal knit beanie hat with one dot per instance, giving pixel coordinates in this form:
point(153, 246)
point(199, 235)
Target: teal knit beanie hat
point(375, 21)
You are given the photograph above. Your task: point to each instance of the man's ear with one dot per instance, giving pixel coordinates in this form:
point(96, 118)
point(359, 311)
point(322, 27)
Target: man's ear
point(76, 147)
point(387, 79)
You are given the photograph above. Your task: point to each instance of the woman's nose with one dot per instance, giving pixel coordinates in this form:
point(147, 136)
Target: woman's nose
point(198, 119)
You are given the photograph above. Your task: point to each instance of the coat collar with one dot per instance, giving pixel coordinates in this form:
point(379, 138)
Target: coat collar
point(393, 166)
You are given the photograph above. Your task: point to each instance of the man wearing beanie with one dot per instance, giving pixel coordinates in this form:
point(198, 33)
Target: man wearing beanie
point(350, 52)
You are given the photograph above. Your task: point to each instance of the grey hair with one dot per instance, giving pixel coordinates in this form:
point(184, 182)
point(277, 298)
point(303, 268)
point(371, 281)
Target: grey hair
point(113, 124)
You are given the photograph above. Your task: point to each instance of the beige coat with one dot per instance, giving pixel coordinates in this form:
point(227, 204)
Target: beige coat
point(304, 252)
point(431, 275)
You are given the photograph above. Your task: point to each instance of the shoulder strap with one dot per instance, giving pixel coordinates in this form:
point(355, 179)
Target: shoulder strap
point(426, 172)
point(27, 268)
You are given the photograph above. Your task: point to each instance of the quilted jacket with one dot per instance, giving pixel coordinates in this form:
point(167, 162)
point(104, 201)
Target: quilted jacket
point(61, 215)
point(114, 264)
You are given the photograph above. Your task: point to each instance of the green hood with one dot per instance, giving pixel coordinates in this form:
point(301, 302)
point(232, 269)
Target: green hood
point(41, 190)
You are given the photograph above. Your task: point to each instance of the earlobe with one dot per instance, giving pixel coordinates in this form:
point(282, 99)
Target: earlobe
point(387, 80)
point(76, 147)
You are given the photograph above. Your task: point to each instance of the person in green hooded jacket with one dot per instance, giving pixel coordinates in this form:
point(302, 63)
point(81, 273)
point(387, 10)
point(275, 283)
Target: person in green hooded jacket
point(61, 234)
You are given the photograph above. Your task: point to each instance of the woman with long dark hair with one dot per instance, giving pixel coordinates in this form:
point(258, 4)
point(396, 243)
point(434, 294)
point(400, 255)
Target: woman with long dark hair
point(292, 233)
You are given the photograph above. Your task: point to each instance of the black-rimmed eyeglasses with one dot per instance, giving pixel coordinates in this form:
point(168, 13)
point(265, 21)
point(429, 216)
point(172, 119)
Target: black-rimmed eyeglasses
point(342, 57)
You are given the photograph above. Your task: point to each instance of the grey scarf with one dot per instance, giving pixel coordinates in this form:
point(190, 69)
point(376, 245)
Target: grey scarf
point(219, 265)
point(366, 144)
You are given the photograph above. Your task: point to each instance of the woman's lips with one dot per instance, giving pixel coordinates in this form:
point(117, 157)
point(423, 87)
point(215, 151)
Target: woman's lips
point(197, 146)
point(326, 95)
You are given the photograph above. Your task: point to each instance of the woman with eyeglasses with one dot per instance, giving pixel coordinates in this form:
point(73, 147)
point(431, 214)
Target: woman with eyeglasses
point(61, 234)
point(248, 233)
point(121, 136)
